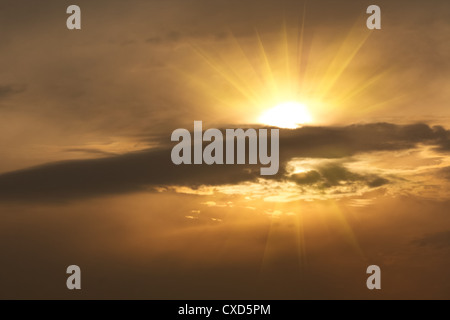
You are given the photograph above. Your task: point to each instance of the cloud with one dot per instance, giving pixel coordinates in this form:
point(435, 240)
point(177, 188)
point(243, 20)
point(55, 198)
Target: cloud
point(438, 240)
point(91, 151)
point(445, 173)
point(120, 174)
point(152, 168)
point(333, 175)
point(172, 36)
point(377, 182)
point(309, 177)
point(338, 142)
point(11, 89)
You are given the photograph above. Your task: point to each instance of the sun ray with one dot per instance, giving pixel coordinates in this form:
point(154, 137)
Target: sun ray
point(361, 87)
point(262, 73)
point(236, 83)
point(270, 76)
point(339, 64)
point(286, 56)
point(201, 83)
point(265, 259)
point(299, 53)
point(336, 212)
point(301, 241)
point(247, 59)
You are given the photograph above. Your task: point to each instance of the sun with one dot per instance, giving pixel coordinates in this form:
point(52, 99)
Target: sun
point(289, 115)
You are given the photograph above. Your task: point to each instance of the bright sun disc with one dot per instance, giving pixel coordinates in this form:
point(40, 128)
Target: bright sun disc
point(288, 115)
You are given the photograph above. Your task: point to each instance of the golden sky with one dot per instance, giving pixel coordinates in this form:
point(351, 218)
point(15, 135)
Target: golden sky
point(86, 177)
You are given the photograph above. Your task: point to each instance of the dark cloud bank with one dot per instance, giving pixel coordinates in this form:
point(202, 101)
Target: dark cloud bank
point(152, 168)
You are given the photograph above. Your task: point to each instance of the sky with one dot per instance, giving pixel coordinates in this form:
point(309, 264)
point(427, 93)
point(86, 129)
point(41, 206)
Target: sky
point(86, 178)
